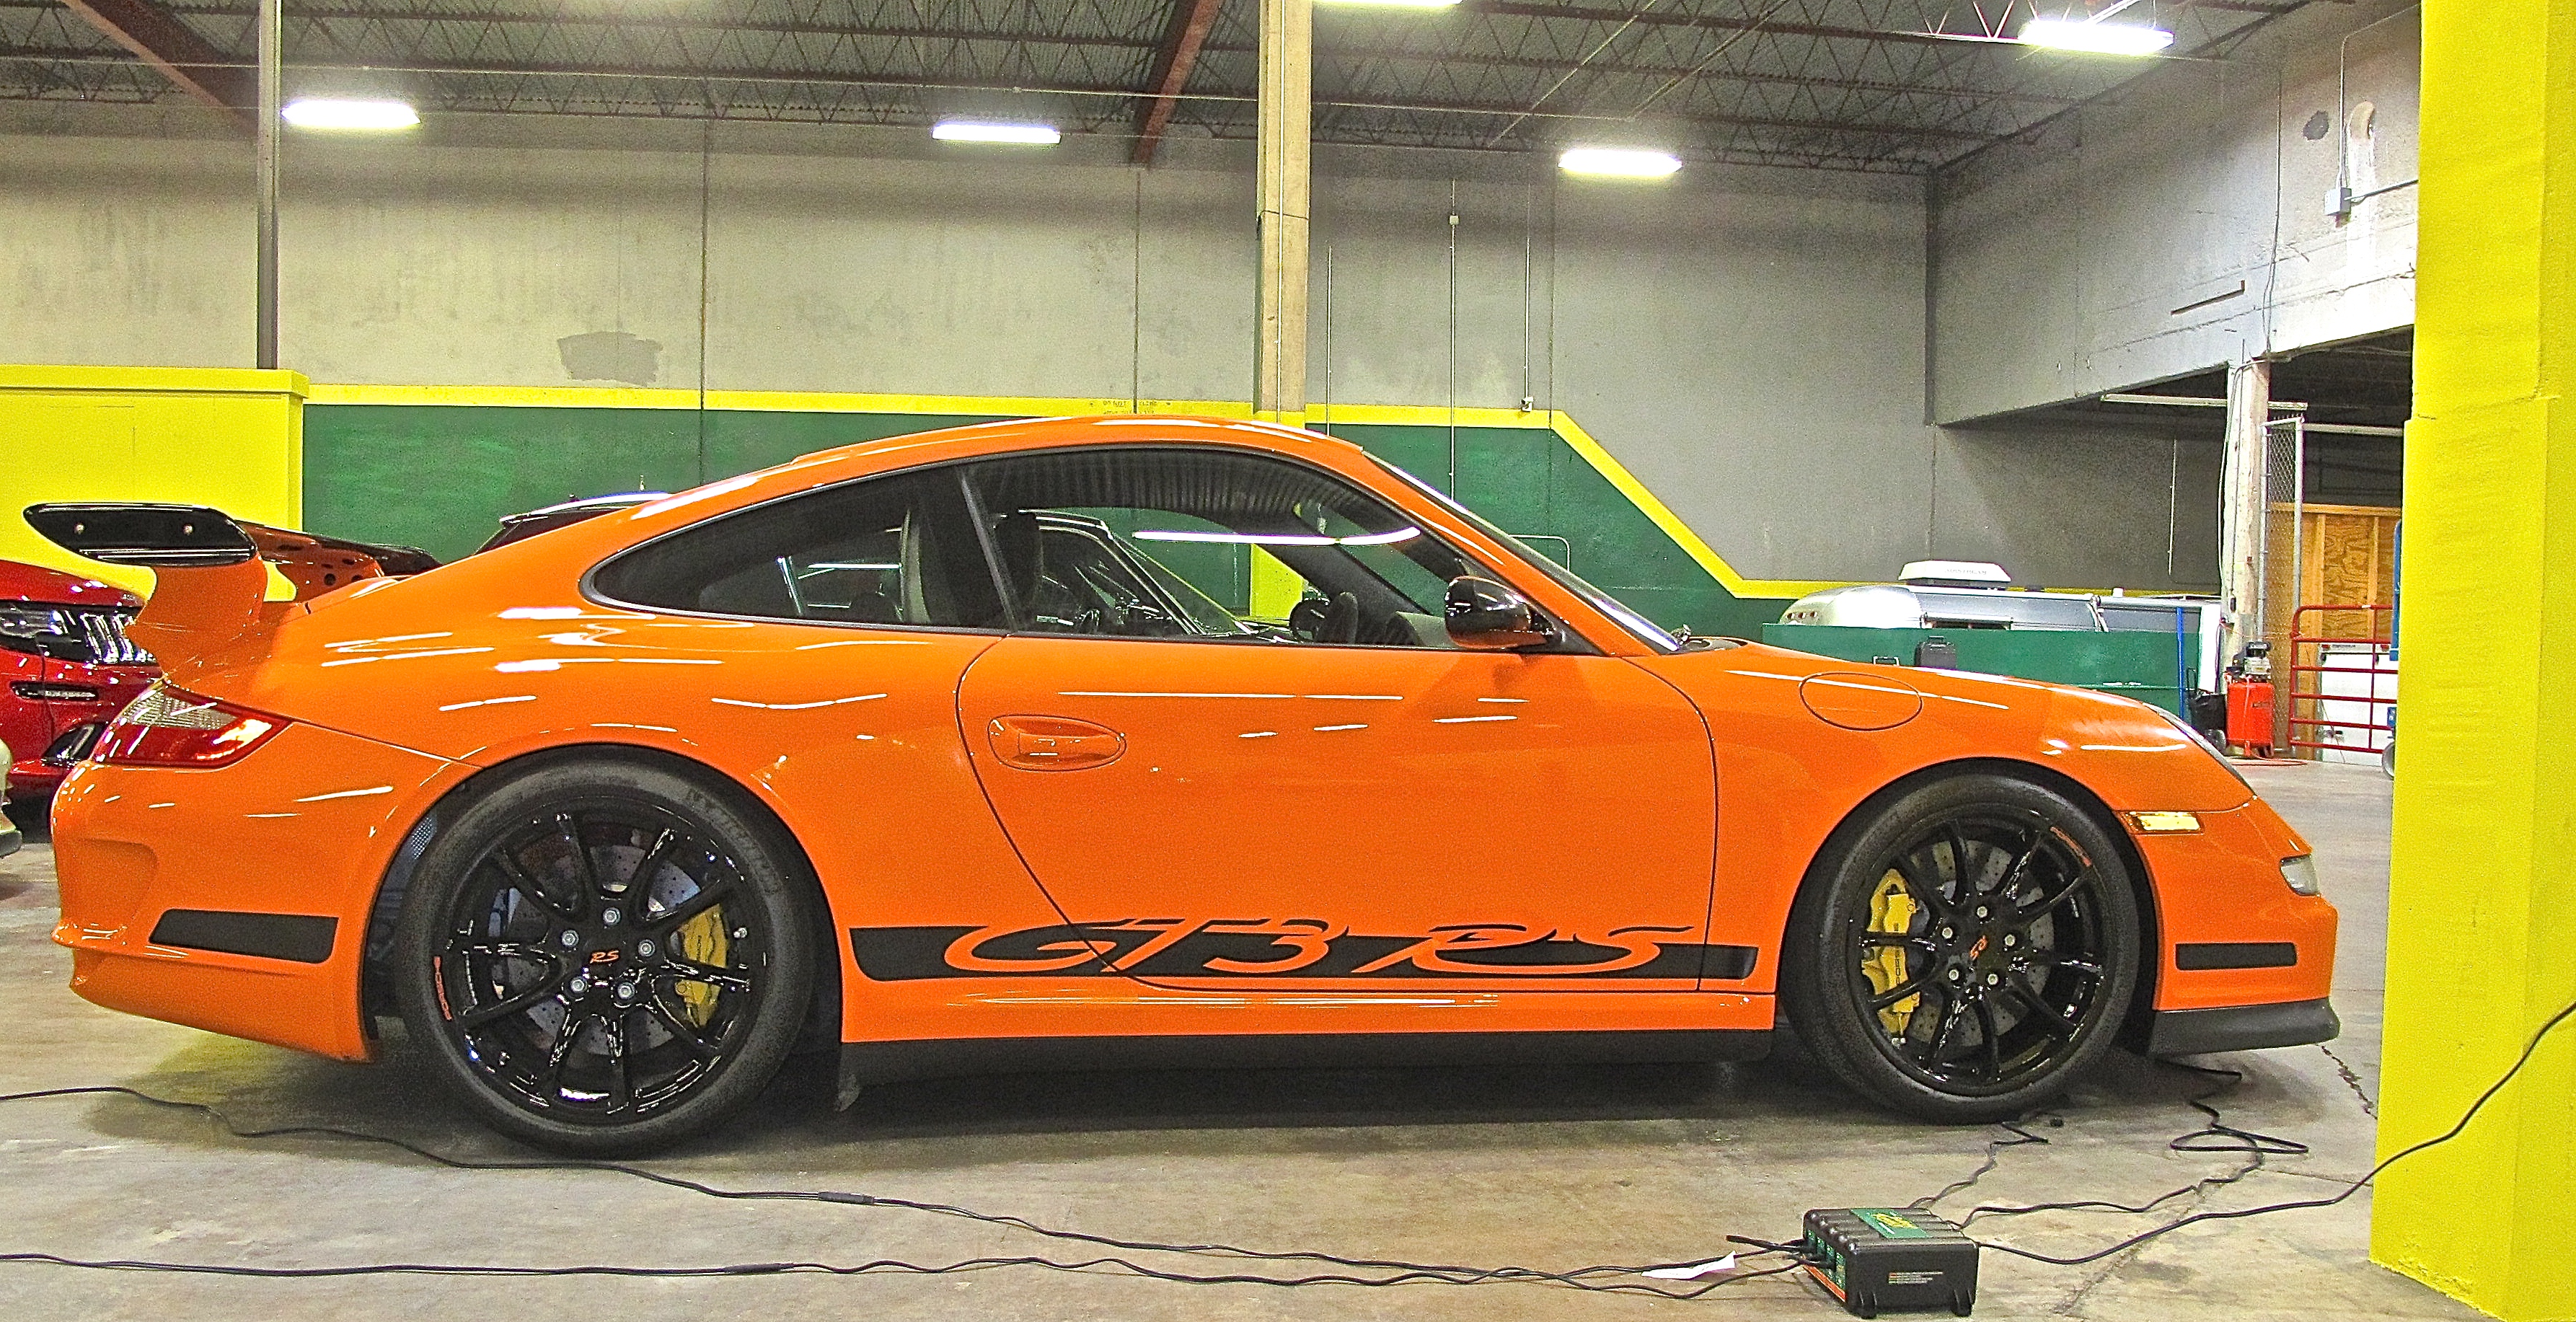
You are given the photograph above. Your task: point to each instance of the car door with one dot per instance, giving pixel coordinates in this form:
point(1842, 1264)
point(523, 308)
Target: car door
point(1318, 791)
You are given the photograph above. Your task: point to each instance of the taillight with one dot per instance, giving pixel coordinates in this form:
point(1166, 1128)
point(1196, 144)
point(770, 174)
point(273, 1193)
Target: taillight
point(168, 727)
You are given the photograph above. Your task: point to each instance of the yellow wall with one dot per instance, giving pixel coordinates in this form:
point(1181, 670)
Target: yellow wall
point(228, 438)
point(2482, 902)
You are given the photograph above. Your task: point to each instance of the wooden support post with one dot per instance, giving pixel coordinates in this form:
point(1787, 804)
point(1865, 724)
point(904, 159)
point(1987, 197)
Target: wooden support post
point(2242, 516)
point(1286, 129)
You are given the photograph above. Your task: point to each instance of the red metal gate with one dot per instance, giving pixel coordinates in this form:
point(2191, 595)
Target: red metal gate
point(2305, 699)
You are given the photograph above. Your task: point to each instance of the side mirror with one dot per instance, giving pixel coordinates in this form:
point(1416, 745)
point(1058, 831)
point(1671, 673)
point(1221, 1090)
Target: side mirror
point(1485, 616)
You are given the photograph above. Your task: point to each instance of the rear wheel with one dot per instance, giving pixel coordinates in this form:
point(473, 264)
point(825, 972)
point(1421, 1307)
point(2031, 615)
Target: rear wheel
point(603, 957)
point(1966, 954)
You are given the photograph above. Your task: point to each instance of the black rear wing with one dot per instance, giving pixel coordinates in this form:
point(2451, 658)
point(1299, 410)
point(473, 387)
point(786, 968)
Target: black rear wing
point(156, 536)
point(210, 570)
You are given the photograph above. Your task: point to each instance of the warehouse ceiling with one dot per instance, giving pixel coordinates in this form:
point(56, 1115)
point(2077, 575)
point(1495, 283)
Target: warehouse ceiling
point(1889, 85)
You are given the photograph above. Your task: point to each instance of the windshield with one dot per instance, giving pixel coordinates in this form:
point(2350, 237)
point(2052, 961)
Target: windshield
point(1645, 629)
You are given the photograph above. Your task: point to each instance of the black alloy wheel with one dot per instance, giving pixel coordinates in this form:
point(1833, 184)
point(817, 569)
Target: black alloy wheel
point(604, 957)
point(1967, 953)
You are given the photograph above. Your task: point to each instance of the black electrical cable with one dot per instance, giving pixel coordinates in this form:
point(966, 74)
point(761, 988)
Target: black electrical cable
point(881, 1266)
point(1405, 1272)
point(2257, 1152)
point(2256, 1146)
point(2018, 1137)
point(2216, 1136)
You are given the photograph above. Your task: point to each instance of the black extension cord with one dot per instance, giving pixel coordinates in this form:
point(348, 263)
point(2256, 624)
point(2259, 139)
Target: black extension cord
point(2255, 1146)
point(1397, 1271)
point(2216, 1136)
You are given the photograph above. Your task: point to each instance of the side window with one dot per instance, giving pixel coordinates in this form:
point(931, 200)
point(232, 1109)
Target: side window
point(887, 550)
point(1196, 544)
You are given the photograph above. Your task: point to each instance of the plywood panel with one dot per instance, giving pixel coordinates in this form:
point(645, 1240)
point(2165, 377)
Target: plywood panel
point(2345, 555)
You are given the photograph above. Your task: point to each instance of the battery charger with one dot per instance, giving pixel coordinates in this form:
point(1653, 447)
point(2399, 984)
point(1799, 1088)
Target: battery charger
point(1877, 1259)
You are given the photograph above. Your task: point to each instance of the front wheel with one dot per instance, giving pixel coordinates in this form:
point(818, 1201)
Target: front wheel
point(603, 957)
point(1966, 953)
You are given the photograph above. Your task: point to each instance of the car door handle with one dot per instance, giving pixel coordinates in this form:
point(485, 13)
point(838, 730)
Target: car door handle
point(1053, 743)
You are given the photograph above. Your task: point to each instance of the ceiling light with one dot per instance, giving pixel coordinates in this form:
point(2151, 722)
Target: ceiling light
point(2094, 38)
point(322, 112)
point(1619, 162)
point(1396, 4)
point(968, 130)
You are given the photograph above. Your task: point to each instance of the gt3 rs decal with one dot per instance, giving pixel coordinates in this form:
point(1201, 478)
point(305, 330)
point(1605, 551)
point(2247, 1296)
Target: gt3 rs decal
point(1289, 947)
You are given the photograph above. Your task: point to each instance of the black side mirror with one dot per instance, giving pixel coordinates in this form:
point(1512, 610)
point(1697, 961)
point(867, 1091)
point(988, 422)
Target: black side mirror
point(1485, 616)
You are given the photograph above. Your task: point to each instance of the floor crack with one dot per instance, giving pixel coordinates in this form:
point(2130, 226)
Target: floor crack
point(2351, 1080)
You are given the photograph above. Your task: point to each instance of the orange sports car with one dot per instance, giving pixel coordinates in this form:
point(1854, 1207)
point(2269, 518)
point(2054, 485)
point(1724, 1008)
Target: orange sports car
point(1084, 741)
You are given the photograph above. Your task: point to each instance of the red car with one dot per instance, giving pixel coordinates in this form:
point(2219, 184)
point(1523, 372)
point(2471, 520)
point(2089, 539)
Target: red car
point(68, 666)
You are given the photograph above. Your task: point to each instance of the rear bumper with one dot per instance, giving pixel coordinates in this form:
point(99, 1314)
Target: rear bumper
point(2241, 1028)
point(236, 900)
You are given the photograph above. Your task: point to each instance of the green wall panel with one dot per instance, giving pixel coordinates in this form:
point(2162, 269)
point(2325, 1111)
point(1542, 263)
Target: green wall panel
point(439, 477)
point(1537, 487)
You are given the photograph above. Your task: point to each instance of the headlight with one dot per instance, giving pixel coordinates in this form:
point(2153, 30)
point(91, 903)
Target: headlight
point(2301, 873)
point(2193, 734)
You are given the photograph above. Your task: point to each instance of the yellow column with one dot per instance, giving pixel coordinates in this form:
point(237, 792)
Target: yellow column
point(226, 437)
point(2482, 904)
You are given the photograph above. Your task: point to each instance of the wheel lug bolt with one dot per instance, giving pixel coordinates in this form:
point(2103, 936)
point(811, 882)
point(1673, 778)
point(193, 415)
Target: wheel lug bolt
point(1994, 979)
point(1983, 911)
point(610, 917)
point(643, 950)
point(569, 939)
point(2010, 940)
point(1949, 933)
point(1954, 975)
point(625, 992)
point(580, 983)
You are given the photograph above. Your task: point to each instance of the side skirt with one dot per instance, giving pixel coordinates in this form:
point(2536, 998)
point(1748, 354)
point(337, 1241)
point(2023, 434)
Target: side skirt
point(864, 1063)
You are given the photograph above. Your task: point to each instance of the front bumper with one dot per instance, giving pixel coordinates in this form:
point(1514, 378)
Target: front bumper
point(2231, 933)
point(2241, 1028)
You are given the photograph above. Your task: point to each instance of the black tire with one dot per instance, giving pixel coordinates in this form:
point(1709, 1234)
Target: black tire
point(2025, 960)
point(570, 1009)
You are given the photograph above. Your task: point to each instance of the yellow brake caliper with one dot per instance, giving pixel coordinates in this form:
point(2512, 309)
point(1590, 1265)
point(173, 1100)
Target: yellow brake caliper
point(1891, 911)
point(703, 940)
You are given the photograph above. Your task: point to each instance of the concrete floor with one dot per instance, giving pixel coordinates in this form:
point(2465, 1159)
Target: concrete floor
point(1554, 1167)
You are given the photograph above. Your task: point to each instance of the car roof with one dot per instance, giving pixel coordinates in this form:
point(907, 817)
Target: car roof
point(1103, 428)
point(616, 500)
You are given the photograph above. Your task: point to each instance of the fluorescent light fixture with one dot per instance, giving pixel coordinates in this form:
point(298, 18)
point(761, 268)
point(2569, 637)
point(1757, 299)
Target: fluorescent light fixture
point(969, 130)
point(1277, 538)
point(1395, 4)
point(1619, 162)
point(2094, 38)
point(323, 112)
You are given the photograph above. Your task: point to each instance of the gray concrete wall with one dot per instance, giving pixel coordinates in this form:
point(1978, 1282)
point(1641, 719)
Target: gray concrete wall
point(2183, 224)
point(2066, 502)
point(1740, 338)
point(1750, 342)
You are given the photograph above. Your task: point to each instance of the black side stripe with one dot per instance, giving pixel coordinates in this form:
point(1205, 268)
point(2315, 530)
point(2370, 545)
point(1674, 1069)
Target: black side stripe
point(2200, 956)
point(301, 938)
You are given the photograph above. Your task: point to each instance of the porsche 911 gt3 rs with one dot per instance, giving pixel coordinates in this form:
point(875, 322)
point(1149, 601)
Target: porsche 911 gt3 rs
point(1085, 741)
